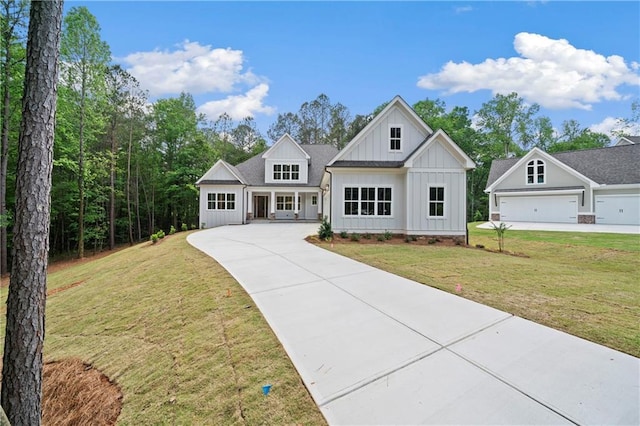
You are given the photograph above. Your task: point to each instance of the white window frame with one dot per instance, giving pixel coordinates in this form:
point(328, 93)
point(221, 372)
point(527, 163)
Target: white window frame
point(390, 139)
point(536, 163)
point(222, 201)
point(282, 201)
point(376, 201)
point(286, 172)
point(443, 201)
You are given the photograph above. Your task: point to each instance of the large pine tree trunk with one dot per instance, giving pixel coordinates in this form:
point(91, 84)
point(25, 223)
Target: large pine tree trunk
point(22, 363)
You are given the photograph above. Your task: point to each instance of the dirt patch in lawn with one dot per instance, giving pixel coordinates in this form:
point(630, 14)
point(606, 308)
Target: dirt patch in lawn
point(75, 393)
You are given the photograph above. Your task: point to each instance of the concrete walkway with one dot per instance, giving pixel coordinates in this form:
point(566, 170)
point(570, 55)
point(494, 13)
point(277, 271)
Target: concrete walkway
point(374, 348)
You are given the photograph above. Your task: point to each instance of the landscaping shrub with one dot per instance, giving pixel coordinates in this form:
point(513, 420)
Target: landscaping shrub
point(344, 234)
point(172, 230)
point(355, 237)
point(154, 238)
point(160, 234)
point(367, 236)
point(387, 235)
point(381, 237)
point(184, 227)
point(432, 240)
point(325, 232)
point(407, 239)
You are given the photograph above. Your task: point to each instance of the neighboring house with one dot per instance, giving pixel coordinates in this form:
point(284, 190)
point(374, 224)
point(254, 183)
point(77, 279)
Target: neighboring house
point(396, 175)
point(588, 186)
point(282, 183)
point(628, 140)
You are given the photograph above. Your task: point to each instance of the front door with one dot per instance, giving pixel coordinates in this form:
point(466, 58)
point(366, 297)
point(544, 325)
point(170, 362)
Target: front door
point(261, 202)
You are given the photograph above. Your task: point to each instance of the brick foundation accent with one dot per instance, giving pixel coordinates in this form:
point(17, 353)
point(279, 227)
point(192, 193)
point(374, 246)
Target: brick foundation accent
point(588, 219)
point(272, 216)
point(249, 216)
point(495, 217)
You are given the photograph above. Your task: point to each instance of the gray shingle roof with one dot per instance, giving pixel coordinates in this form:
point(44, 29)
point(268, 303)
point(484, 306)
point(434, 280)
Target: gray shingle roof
point(610, 166)
point(252, 170)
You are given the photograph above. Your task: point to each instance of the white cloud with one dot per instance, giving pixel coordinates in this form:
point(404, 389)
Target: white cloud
point(463, 9)
point(610, 125)
point(190, 68)
point(201, 69)
point(552, 73)
point(239, 106)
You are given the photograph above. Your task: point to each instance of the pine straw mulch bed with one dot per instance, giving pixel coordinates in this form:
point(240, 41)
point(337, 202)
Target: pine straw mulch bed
point(75, 393)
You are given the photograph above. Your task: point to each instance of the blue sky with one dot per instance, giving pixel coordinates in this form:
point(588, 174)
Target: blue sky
point(578, 60)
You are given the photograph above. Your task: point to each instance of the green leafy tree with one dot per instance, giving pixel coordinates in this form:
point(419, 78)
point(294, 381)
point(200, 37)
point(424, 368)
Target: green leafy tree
point(285, 123)
point(84, 57)
point(507, 122)
point(13, 22)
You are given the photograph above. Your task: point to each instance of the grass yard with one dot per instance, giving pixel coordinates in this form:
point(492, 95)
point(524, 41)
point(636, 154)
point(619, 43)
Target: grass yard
point(178, 335)
point(585, 284)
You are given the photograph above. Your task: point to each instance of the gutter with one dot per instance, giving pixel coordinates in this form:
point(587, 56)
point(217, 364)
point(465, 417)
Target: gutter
point(326, 169)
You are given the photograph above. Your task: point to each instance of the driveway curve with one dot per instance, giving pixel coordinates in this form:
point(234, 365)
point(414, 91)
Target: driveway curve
point(375, 348)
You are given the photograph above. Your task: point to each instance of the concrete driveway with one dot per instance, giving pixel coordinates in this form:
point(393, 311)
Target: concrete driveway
point(567, 227)
point(374, 348)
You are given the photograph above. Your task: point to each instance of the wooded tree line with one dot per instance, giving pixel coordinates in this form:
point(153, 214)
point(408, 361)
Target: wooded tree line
point(125, 167)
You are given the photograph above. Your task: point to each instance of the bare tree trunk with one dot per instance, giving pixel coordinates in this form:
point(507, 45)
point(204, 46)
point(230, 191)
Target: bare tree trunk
point(22, 363)
point(112, 184)
point(81, 170)
point(138, 201)
point(129, 183)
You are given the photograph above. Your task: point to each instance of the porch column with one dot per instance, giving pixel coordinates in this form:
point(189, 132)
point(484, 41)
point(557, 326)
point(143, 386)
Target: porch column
point(295, 204)
point(320, 200)
point(272, 207)
point(249, 205)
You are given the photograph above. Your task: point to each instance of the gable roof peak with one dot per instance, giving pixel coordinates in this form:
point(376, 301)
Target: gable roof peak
point(286, 138)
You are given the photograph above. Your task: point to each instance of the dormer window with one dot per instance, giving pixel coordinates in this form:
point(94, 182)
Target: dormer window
point(395, 138)
point(535, 172)
point(286, 172)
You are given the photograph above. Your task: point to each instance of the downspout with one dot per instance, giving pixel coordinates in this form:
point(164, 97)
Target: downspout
point(326, 169)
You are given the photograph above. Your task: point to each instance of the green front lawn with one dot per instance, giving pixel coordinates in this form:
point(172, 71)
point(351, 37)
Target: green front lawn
point(582, 283)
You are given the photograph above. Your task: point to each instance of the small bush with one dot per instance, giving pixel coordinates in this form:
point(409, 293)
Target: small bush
point(184, 227)
point(325, 232)
point(355, 237)
point(154, 238)
point(414, 238)
point(160, 234)
point(432, 240)
point(381, 237)
point(387, 235)
point(367, 236)
point(172, 230)
point(344, 234)
point(193, 226)
point(407, 239)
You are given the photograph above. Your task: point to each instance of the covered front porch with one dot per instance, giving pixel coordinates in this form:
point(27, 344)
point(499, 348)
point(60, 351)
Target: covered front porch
point(284, 204)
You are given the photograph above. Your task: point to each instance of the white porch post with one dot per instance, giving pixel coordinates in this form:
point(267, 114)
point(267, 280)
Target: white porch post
point(272, 203)
point(320, 200)
point(249, 205)
point(295, 204)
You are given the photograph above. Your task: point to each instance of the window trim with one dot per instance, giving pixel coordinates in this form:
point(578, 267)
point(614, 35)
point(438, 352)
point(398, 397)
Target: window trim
point(228, 200)
point(376, 201)
point(286, 200)
point(535, 176)
point(314, 200)
point(285, 169)
point(443, 201)
point(401, 139)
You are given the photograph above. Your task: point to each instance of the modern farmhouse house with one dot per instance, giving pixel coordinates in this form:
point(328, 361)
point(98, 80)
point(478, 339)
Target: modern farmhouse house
point(396, 175)
point(588, 186)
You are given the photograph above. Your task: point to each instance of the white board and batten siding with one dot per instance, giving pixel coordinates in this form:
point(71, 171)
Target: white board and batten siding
point(394, 223)
point(212, 218)
point(436, 167)
point(374, 145)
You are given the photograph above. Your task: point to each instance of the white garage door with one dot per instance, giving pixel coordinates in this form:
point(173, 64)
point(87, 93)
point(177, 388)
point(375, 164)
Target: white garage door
point(561, 209)
point(618, 209)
